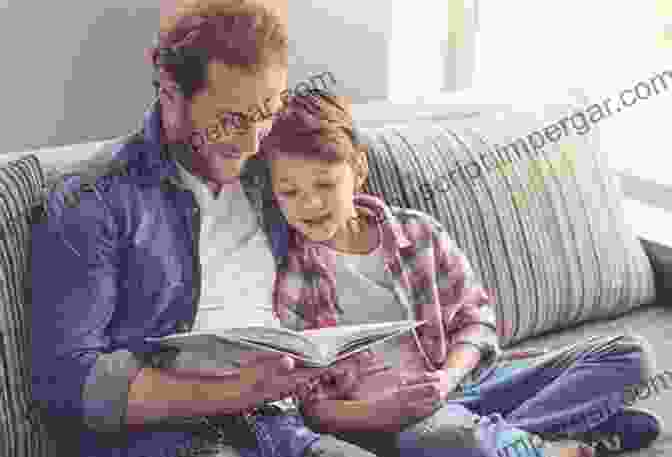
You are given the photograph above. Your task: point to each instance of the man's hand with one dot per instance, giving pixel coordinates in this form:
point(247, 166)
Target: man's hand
point(343, 377)
point(267, 376)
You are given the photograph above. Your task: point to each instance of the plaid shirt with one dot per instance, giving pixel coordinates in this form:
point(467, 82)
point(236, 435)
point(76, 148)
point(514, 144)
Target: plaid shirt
point(431, 278)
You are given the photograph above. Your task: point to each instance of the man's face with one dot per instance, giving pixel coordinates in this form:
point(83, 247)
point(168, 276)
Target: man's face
point(221, 154)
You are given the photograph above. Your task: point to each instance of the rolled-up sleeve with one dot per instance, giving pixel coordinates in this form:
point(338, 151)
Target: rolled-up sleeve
point(105, 391)
point(74, 272)
point(467, 314)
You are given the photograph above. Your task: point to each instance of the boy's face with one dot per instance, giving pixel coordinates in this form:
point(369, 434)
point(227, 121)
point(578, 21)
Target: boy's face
point(232, 90)
point(314, 195)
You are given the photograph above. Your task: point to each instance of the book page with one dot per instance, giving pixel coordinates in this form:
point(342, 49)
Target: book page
point(318, 347)
point(348, 339)
point(271, 338)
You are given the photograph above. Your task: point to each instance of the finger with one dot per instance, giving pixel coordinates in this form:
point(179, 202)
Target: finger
point(327, 377)
point(313, 374)
point(417, 407)
point(430, 403)
point(252, 358)
point(302, 391)
point(431, 376)
point(414, 380)
point(275, 368)
point(375, 369)
point(335, 381)
point(422, 409)
point(292, 382)
point(422, 391)
point(322, 394)
point(432, 333)
point(370, 363)
point(426, 404)
point(366, 357)
point(346, 383)
point(348, 362)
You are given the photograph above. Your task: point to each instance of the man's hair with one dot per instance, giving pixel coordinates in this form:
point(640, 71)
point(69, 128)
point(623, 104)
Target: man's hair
point(236, 33)
point(316, 125)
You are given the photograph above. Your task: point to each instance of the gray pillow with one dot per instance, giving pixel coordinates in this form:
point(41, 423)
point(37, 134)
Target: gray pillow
point(544, 229)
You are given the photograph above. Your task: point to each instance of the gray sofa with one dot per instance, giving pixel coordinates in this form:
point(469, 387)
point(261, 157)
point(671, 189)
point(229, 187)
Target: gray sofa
point(554, 247)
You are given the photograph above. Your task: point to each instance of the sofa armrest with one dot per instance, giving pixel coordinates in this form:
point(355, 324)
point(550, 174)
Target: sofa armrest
point(660, 256)
point(651, 225)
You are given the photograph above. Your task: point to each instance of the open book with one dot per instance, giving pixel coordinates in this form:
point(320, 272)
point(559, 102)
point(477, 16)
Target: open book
point(316, 348)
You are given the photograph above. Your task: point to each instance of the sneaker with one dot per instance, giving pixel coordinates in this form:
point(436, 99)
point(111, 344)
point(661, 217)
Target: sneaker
point(565, 447)
point(628, 430)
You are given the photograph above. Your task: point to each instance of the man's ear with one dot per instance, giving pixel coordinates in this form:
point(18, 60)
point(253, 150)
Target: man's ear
point(175, 112)
point(361, 168)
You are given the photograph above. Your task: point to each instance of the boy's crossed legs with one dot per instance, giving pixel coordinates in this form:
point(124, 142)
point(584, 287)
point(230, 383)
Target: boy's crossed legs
point(537, 395)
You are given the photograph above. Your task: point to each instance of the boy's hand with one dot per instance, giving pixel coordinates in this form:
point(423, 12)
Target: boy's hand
point(413, 400)
point(444, 380)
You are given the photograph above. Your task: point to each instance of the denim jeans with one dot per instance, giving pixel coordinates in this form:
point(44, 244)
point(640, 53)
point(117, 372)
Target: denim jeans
point(571, 389)
point(282, 435)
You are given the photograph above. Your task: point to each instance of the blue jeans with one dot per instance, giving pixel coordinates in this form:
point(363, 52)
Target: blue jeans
point(571, 389)
point(284, 435)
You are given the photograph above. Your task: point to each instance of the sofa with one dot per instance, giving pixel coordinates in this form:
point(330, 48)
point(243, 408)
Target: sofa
point(546, 230)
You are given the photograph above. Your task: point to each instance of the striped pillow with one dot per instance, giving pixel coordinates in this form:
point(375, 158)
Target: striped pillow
point(544, 229)
point(22, 434)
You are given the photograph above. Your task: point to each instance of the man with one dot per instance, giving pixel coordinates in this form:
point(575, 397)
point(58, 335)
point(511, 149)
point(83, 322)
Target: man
point(153, 242)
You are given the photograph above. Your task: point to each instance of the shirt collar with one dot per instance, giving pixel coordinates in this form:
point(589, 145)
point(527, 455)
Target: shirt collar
point(159, 164)
point(153, 163)
point(393, 237)
point(390, 226)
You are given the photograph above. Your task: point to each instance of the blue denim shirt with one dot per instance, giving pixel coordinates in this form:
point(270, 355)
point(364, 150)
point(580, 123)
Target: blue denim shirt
point(115, 261)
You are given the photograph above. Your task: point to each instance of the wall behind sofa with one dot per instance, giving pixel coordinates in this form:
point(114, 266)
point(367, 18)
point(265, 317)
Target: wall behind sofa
point(349, 38)
point(74, 71)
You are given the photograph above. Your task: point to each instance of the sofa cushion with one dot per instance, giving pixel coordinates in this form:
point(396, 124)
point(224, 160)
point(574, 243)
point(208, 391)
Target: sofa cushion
point(21, 188)
point(544, 228)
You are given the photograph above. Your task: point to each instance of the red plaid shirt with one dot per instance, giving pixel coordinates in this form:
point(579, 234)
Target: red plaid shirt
point(432, 279)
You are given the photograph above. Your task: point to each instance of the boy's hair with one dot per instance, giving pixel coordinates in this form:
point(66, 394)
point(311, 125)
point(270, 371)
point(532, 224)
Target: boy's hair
point(238, 33)
point(316, 125)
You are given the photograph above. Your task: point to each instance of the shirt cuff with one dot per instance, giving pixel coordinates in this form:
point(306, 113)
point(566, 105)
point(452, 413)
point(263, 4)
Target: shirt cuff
point(105, 392)
point(487, 344)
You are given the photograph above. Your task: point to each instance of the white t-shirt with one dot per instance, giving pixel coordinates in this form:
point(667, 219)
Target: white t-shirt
point(237, 267)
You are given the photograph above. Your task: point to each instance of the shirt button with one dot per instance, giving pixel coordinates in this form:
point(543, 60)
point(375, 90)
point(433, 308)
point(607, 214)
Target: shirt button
point(182, 326)
point(156, 360)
